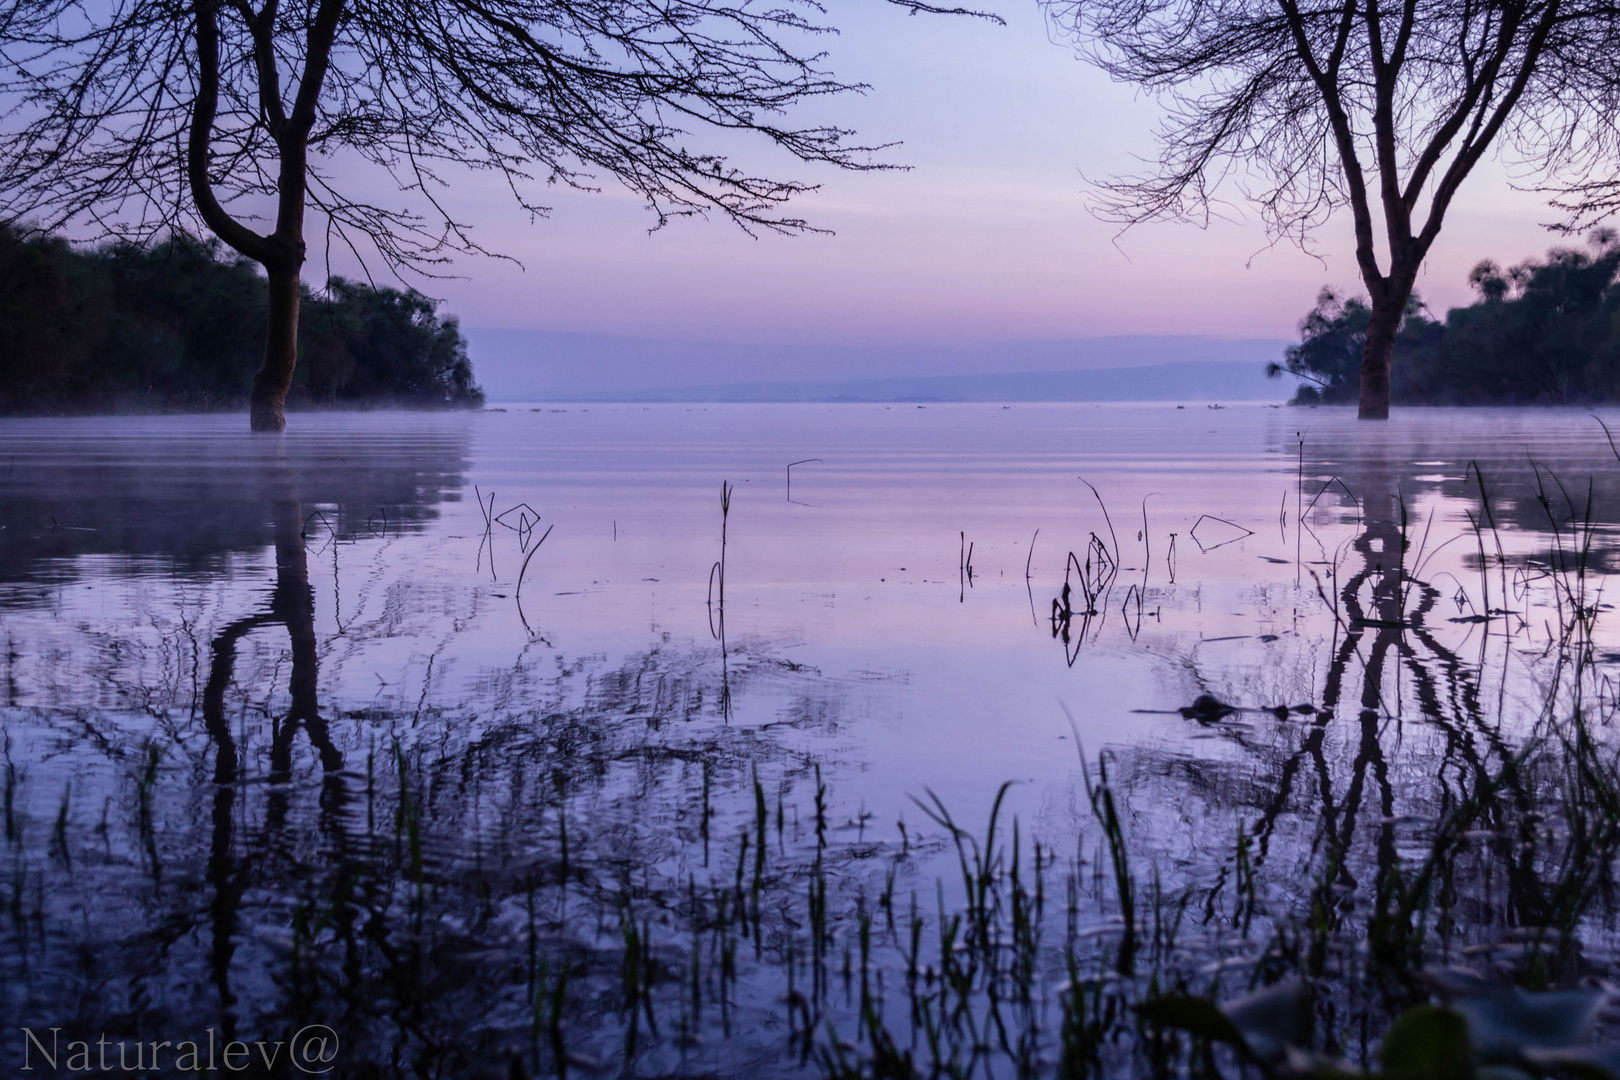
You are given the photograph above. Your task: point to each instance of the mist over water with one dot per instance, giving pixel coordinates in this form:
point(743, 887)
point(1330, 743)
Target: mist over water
point(331, 729)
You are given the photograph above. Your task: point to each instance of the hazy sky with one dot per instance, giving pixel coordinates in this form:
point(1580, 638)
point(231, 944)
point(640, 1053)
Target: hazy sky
point(986, 238)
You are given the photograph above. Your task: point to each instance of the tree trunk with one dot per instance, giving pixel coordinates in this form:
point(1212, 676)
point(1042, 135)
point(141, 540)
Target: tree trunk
point(270, 385)
point(1388, 309)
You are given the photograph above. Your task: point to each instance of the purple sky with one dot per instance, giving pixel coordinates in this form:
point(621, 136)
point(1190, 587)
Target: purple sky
point(987, 238)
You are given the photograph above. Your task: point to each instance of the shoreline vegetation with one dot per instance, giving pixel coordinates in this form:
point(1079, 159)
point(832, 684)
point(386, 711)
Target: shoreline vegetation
point(179, 325)
point(174, 327)
point(1543, 332)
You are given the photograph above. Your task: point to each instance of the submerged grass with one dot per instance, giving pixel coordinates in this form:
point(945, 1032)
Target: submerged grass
point(574, 948)
point(1335, 889)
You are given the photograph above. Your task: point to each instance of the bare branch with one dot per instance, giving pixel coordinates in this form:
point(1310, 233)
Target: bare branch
point(1308, 106)
point(142, 116)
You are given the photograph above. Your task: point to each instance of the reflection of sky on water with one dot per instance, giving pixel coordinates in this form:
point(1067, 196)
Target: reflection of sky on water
point(277, 617)
point(857, 578)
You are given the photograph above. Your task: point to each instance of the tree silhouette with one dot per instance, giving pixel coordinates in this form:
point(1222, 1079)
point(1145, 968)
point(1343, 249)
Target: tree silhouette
point(1382, 108)
point(1546, 331)
point(143, 116)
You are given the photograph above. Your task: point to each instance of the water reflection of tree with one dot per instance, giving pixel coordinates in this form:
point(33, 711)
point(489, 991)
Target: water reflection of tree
point(291, 606)
point(191, 497)
point(379, 893)
point(1397, 797)
point(1423, 464)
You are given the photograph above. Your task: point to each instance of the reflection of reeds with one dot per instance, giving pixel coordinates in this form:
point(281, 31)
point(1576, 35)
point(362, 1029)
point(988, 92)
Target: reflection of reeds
point(801, 461)
point(717, 572)
point(1113, 539)
point(11, 796)
point(1337, 861)
point(486, 540)
point(964, 568)
point(527, 519)
point(1147, 539)
point(518, 592)
point(1487, 522)
point(595, 923)
point(1101, 797)
point(717, 611)
point(1095, 577)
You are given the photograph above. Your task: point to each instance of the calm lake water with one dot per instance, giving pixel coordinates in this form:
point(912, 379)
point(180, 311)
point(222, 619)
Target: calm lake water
point(507, 744)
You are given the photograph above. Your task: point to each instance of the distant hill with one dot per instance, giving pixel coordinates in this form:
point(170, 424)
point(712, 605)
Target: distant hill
point(532, 365)
point(1210, 380)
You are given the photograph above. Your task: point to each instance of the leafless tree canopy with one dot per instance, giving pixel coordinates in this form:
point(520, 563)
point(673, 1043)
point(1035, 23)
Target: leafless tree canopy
point(102, 99)
point(1308, 107)
point(1304, 107)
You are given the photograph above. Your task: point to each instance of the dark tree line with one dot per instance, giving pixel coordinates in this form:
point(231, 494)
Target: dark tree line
point(180, 324)
point(1545, 332)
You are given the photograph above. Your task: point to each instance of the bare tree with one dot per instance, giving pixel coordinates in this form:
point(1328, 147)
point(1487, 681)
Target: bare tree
point(140, 116)
point(1382, 107)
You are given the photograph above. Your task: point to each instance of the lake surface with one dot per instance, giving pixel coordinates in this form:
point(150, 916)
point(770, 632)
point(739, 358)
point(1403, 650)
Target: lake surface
point(598, 740)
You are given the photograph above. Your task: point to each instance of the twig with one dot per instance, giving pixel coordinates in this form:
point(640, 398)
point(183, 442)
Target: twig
point(1110, 521)
point(802, 461)
point(518, 593)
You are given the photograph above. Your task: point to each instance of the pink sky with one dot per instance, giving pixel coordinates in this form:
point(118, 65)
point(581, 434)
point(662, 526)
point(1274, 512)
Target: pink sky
point(986, 238)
